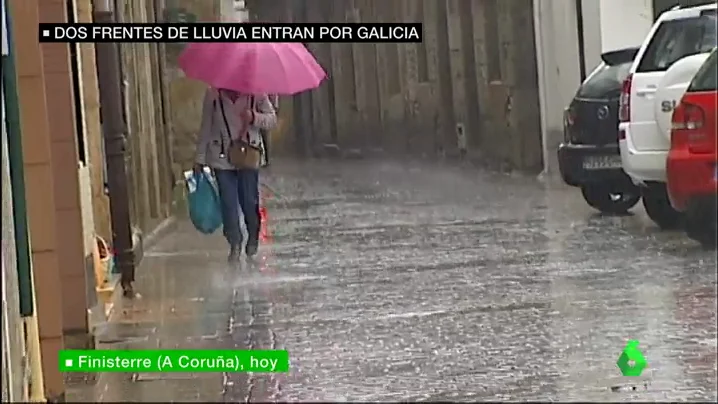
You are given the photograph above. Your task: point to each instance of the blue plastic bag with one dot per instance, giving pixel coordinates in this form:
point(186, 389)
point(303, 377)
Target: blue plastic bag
point(203, 201)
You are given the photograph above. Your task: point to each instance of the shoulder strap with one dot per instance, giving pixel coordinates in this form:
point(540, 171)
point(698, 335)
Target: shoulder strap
point(224, 118)
point(222, 150)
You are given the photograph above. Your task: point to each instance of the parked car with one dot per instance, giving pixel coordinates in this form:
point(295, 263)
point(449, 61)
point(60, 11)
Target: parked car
point(677, 34)
point(692, 165)
point(589, 157)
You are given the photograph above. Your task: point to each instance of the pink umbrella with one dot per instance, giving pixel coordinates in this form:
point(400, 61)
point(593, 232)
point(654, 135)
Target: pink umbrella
point(253, 68)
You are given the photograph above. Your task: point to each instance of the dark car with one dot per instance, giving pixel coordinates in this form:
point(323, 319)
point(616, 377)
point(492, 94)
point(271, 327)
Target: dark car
point(589, 157)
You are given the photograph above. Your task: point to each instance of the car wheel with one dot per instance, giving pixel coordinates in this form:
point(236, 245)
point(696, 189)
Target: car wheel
point(700, 229)
point(608, 200)
point(658, 207)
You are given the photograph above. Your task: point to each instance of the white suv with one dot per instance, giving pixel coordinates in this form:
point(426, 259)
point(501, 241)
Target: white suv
point(677, 34)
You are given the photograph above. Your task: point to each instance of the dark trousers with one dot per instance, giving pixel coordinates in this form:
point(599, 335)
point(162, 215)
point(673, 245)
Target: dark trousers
point(239, 189)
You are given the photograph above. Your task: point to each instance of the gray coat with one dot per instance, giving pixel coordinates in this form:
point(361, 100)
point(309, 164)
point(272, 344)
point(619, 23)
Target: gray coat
point(213, 140)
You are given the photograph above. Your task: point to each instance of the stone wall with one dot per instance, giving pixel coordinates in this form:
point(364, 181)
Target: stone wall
point(93, 135)
point(470, 89)
point(13, 346)
point(185, 95)
point(150, 179)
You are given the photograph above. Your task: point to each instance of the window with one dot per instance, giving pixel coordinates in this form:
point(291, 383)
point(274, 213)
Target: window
point(677, 39)
point(706, 78)
point(605, 81)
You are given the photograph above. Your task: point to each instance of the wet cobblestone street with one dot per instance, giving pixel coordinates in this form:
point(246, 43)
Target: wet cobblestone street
point(391, 282)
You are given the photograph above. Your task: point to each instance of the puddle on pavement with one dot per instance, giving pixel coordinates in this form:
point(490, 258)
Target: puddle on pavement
point(260, 280)
point(410, 315)
point(164, 254)
point(149, 377)
point(113, 333)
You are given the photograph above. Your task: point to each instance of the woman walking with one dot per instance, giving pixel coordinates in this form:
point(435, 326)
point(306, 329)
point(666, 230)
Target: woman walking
point(230, 118)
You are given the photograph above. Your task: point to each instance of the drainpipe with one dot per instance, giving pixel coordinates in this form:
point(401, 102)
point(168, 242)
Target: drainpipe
point(581, 41)
point(115, 133)
point(17, 175)
point(22, 237)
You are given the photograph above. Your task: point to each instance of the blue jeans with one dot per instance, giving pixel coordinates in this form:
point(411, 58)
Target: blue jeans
point(239, 189)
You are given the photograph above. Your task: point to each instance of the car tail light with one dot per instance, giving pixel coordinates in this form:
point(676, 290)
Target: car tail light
point(687, 129)
point(569, 120)
point(624, 110)
point(569, 117)
point(688, 117)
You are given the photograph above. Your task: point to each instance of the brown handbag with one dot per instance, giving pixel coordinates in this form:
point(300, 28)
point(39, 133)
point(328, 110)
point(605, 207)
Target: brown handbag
point(241, 154)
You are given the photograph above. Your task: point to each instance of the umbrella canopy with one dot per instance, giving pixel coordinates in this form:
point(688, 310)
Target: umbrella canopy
point(253, 68)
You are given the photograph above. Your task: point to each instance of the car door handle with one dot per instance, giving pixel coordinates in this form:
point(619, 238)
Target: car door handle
point(646, 91)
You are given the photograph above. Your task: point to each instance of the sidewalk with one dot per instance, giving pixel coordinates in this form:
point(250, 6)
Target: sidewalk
point(187, 298)
point(180, 306)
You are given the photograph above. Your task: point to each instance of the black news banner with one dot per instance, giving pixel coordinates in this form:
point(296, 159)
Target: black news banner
point(232, 32)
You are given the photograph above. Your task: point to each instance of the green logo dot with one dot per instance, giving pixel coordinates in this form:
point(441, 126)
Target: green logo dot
point(631, 362)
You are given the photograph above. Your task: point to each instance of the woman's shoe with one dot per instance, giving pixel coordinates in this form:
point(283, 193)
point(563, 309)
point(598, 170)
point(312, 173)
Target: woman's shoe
point(251, 250)
point(234, 254)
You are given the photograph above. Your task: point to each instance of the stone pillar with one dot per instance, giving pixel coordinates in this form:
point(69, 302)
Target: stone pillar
point(39, 190)
point(458, 82)
point(149, 116)
point(470, 138)
point(60, 95)
point(93, 129)
point(321, 105)
point(431, 43)
point(412, 139)
point(480, 136)
point(371, 100)
point(522, 108)
point(446, 120)
point(361, 76)
point(343, 73)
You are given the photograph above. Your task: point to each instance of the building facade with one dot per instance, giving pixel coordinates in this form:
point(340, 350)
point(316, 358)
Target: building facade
point(21, 366)
point(469, 90)
point(489, 82)
point(13, 347)
point(63, 155)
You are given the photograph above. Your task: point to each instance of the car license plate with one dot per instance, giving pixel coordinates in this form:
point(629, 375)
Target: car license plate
point(601, 162)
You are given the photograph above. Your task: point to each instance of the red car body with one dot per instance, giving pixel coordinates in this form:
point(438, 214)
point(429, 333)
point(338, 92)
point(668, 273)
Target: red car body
point(692, 160)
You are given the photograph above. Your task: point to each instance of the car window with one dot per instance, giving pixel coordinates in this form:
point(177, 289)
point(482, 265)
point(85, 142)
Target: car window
point(706, 78)
point(676, 39)
point(604, 81)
